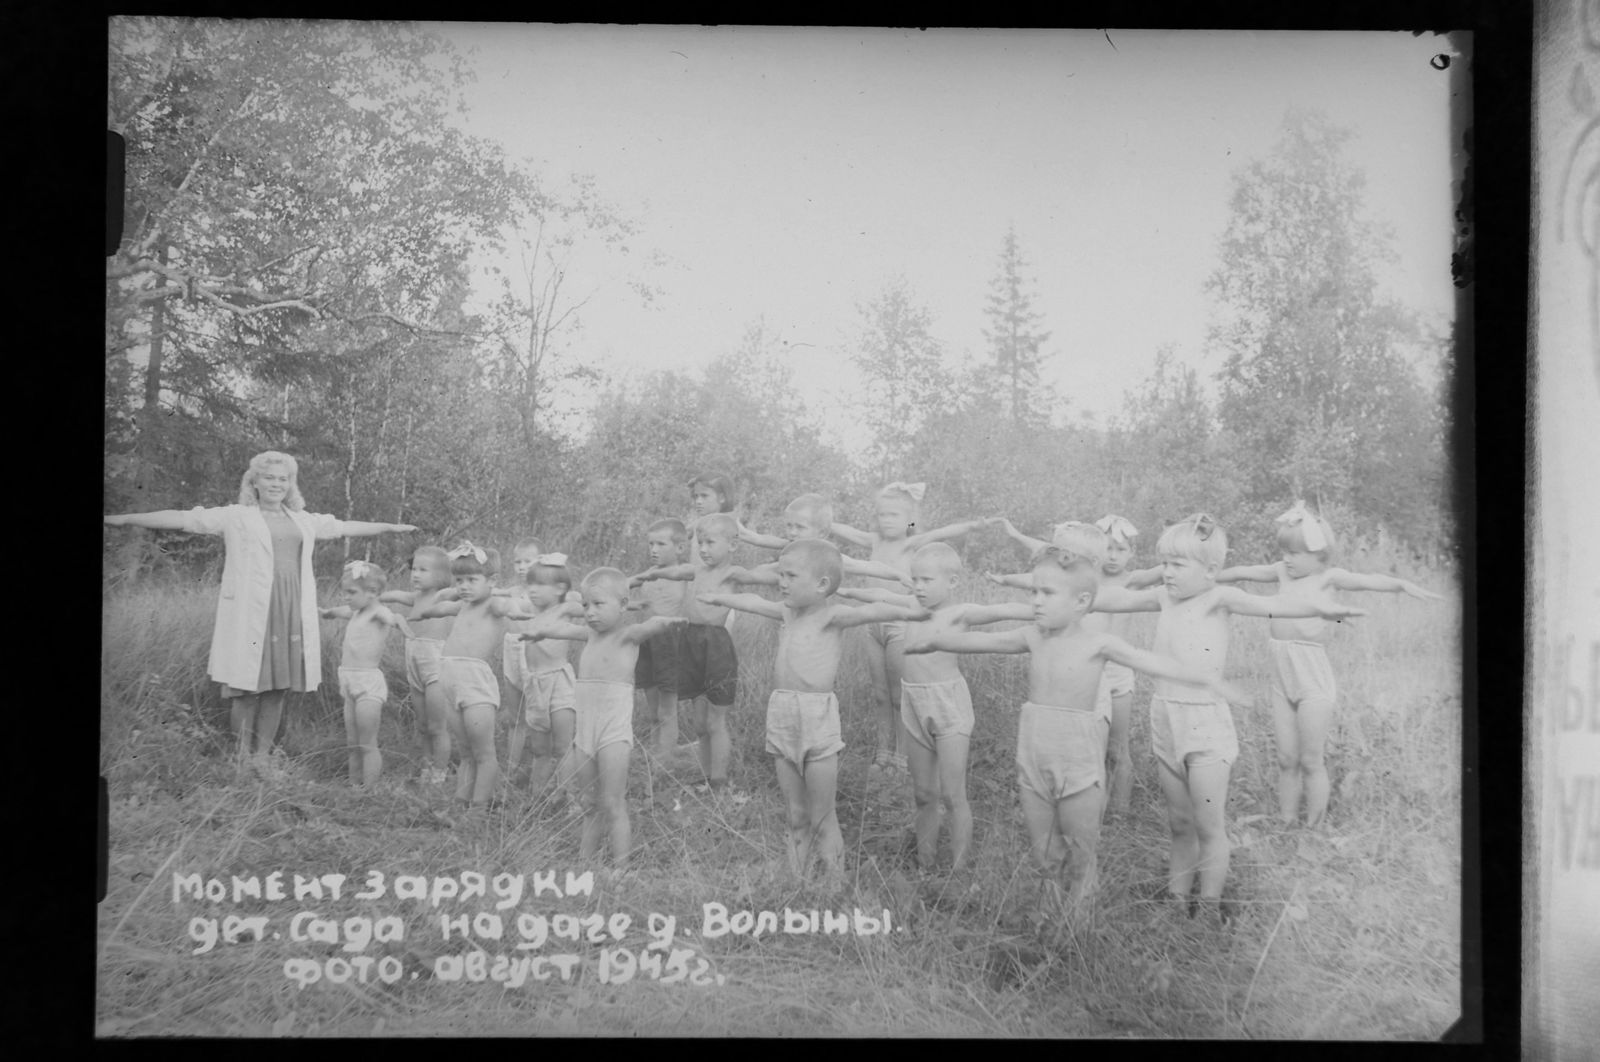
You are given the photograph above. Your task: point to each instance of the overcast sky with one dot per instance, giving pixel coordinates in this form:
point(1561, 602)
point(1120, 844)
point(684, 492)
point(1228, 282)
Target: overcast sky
point(791, 173)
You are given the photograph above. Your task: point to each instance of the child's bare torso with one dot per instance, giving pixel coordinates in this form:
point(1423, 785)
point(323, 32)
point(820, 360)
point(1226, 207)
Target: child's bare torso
point(608, 657)
point(663, 597)
point(477, 631)
point(707, 581)
point(546, 654)
point(895, 552)
point(364, 637)
point(1193, 632)
point(924, 668)
point(1064, 667)
point(808, 651)
point(438, 627)
point(1312, 628)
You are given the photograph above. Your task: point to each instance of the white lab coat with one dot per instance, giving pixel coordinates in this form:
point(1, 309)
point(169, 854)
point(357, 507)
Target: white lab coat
point(239, 636)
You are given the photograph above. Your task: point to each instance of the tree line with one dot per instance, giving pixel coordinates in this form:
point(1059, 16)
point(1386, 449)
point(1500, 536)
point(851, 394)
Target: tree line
point(294, 273)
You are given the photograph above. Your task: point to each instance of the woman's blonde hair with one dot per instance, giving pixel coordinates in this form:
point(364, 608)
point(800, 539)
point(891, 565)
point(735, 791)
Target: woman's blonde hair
point(258, 465)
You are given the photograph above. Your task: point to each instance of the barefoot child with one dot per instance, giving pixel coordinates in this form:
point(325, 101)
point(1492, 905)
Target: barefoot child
point(667, 541)
point(430, 574)
point(1303, 688)
point(803, 733)
point(704, 664)
point(361, 681)
point(604, 699)
point(1193, 738)
point(893, 543)
point(548, 713)
point(935, 704)
point(470, 686)
point(1116, 681)
point(1061, 733)
point(513, 655)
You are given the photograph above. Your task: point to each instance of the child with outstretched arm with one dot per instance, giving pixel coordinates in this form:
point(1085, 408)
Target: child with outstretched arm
point(656, 679)
point(1303, 689)
point(811, 516)
point(603, 743)
point(896, 538)
point(803, 733)
point(470, 686)
point(361, 681)
point(548, 720)
point(430, 576)
point(1193, 738)
point(935, 704)
point(1061, 732)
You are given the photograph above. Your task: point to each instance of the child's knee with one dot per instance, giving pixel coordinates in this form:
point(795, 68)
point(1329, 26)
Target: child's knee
point(799, 817)
point(1311, 762)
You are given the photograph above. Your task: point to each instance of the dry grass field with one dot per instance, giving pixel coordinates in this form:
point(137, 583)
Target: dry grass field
point(1351, 932)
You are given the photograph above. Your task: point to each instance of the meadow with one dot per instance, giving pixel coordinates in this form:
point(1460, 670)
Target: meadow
point(1350, 932)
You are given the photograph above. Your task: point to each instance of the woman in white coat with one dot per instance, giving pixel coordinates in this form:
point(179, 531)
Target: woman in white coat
point(266, 641)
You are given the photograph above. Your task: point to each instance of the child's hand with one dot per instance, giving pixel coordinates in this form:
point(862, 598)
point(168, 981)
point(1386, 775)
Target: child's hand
point(1426, 595)
point(996, 521)
point(852, 592)
point(530, 636)
point(998, 580)
point(917, 645)
point(1335, 611)
point(636, 606)
point(920, 614)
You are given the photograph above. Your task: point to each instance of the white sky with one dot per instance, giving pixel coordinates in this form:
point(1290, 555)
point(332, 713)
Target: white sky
point(789, 173)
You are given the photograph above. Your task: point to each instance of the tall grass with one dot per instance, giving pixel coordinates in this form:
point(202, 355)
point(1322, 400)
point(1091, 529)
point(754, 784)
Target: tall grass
point(1349, 933)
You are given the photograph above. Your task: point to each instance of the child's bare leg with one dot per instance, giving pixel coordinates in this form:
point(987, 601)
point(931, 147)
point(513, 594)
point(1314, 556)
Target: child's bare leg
point(885, 711)
point(793, 786)
point(1315, 716)
point(718, 744)
point(925, 764)
point(466, 769)
point(1078, 819)
point(1185, 853)
point(1121, 772)
point(1286, 735)
point(352, 741)
point(563, 724)
point(666, 705)
point(821, 783)
point(368, 713)
point(543, 767)
point(894, 661)
point(611, 762)
point(1039, 815)
point(588, 781)
point(477, 723)
point(1208, 796)
point(952, 759)
point(436, 726)
point(515, 744)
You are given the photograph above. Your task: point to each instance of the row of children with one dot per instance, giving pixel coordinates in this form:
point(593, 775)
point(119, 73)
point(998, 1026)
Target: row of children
point(1080, 688)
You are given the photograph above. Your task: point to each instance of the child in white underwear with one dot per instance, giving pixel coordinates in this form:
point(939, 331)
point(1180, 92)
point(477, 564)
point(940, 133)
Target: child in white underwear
point(1303, 688)
point(935, 704)
point(896, 538)
point(603, 741)
point(361, 681)
point(1194, 739)
point(470, 685)
point(430, 575)
point(1061, 733)
point(803, 733)
point(547, 722)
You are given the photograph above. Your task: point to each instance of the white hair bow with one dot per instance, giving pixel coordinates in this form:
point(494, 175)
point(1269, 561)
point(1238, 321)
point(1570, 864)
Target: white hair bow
point(467, 549)
point(551, 560)
point(357, 569)
point(915, 490)
point(1118, 527)
point(1310, 526)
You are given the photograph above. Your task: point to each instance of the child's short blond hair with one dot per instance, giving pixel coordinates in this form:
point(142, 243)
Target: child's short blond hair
point(1085, 540)
point(672, 526)
point(609, 578)
point(718, 522)
point(365, 575)
point(1198, 537)
point(1082, 568)
point(820, 558)
point(941, 553)
point(818, 512)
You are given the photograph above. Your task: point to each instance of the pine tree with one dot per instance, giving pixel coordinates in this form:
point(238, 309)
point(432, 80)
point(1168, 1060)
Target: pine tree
point(1015, 341)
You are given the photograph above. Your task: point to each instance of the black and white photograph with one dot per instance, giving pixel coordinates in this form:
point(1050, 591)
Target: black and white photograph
point(683, 531)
